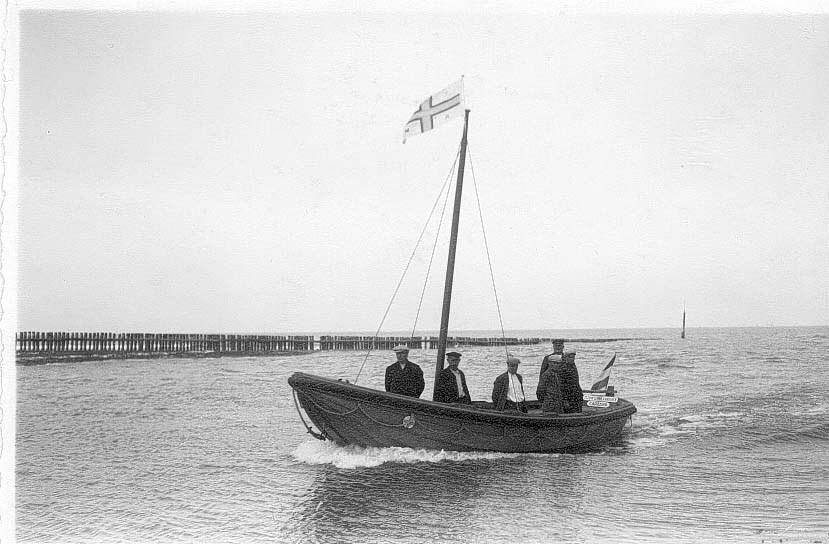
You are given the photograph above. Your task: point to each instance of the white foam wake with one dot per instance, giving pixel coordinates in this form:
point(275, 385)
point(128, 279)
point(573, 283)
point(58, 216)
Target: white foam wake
point(317, 452)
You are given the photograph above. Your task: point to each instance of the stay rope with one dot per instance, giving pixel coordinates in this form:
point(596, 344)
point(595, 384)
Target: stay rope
point(432, 256)
point(486, 245)
point(411, 258)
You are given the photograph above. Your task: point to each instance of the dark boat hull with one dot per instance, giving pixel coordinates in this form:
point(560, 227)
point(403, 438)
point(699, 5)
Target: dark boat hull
point(351, 414)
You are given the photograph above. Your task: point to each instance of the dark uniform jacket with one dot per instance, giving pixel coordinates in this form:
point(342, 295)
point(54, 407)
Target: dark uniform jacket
point(549, 392)
point(568, 378)
point(570, 387)
point(446, 390)
point(408, 381)
point(545, 364)
point(500, 390)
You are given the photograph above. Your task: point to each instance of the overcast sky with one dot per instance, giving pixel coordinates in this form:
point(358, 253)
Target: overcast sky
point(245, 172)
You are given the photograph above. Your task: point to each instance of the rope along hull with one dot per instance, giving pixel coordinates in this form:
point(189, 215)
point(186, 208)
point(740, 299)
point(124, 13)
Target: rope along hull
point(351, 414)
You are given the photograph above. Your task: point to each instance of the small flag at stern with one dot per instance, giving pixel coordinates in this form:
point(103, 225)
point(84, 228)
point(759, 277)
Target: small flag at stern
point(604, 377)
point(439, 108)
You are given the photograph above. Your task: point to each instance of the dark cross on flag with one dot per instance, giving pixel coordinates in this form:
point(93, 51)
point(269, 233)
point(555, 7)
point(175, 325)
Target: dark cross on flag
point(427, 111)
point(435, 110)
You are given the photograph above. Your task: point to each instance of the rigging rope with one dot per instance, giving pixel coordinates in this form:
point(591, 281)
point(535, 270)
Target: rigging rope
point(432, 256)
point(406, 269)
point(486, 245)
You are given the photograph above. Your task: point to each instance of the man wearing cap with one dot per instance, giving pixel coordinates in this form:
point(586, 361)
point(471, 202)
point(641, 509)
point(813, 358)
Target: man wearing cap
point(508, 390)
point(451, 385)
point(404, 377)
point(558, 351)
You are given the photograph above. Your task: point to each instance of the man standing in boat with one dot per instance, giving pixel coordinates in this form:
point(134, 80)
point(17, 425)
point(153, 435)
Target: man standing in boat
point(549, 385)
point(451, 385)
point(404, 377)
point(570, 386)
point(508, 390)
point(555, 356)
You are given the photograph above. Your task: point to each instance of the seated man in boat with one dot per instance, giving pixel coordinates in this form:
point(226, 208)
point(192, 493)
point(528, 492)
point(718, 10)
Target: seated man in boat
point(404, 377)
point(570, 387)
point(508, 390)
point(549, 385)
point(451, 385)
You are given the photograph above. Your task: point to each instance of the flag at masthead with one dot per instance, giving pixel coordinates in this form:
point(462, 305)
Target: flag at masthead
point(439, 108)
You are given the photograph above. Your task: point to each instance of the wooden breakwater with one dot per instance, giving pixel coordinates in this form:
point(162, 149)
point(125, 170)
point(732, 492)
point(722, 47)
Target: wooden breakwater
point(417, 342)
point(33, 347)
point(107, 343)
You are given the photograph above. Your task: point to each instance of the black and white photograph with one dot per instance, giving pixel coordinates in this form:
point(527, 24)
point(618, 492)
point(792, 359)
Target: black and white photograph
point(368, 272)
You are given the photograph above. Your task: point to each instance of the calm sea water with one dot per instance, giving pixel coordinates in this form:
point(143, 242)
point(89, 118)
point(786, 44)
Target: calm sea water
point(731, 443)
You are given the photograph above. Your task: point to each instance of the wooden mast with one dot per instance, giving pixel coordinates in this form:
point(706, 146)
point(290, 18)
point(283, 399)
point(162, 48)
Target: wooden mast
point(450, 264)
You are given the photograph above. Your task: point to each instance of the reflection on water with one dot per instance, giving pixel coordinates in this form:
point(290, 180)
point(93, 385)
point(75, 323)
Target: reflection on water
point(439, 500)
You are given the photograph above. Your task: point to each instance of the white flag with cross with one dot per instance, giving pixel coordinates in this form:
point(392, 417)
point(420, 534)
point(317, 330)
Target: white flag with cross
point(437, 109)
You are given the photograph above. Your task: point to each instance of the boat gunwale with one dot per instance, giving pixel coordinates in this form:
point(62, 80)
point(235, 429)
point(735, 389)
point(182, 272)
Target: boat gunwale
point(623, 409)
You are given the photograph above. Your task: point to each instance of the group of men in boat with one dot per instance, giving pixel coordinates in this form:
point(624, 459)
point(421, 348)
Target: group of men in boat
point(558, 389)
